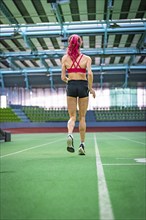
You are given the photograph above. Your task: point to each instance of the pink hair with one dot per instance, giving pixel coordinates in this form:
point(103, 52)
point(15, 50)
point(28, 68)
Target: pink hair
point(75, 42)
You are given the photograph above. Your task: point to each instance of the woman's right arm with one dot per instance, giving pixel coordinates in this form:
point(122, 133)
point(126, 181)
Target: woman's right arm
point(63, 72)
point(90, 77)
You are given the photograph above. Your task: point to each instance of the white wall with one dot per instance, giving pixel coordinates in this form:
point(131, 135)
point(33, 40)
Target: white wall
point(57, 98)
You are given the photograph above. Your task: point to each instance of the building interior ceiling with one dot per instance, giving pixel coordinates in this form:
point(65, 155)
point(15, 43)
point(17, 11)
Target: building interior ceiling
point(34, 38)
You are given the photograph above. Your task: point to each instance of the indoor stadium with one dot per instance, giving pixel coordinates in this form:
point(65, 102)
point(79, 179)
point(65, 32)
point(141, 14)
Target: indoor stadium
point(43, 173)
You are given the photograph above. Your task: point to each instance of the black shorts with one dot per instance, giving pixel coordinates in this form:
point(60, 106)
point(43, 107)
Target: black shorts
point(77, 88)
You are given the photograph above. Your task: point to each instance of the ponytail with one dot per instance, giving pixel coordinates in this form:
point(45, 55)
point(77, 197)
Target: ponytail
point(75, 42)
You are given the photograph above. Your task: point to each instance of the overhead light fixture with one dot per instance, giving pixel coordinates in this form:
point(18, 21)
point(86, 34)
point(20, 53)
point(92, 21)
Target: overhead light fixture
point(110, 5)
point(64, 39)
point(114, 25)
point(51, 1)
point(63, 1)
point(58, 1)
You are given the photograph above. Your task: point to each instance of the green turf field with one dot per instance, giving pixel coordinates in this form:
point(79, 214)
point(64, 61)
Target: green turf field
point(40, 180)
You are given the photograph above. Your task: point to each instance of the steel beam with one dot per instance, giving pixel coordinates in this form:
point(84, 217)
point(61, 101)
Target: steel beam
point(81, 29)
point(51, 79)
point(57, 14)
point(27, 41)
point(57, 70)
point(26, 79)
point(126, 78)
point(101, 80)
point(16, 30)
point(12, 63)
point(105, 38)
point(97, 52)
point(142, 41)
point(73, 23)
point(131, 60)
point(2, 81)
point(44, 63)
point(7, 13)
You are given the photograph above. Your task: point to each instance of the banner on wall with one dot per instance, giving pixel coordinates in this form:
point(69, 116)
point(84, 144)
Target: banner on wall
point(3, 101)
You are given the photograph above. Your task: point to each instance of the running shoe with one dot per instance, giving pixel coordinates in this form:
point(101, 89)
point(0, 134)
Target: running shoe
point(70, 144)
point(81, 149)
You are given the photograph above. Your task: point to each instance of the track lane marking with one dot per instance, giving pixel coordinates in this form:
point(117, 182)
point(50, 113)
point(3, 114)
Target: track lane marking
point(122, 164)
point(139, 142)
point(27, 149)
point(105, 207)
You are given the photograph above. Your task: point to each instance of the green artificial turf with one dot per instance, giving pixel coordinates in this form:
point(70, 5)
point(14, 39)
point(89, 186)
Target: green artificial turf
point(41, 180)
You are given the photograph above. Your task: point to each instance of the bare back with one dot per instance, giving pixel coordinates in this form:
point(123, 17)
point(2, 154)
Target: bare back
point(76, 75)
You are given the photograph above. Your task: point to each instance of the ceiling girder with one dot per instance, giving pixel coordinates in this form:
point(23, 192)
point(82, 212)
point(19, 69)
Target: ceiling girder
point(142, 40)
point(74, 23)
point(126, 79)
point(105, 37)
point(80, 28)
point(26, 79)
point(97, 52)
point(28, 42)
point(12, 63)
point(54, 70)
point(45, 64)
point(104, 28)
point(7, 13)
point(131, 60)
point(56, 11)
point(2, 81)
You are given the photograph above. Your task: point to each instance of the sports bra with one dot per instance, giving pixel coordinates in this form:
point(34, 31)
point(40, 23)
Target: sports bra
point(77, 67)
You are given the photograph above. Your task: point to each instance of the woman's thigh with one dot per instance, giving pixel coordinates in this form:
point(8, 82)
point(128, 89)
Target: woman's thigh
point(71, 105)
point(83, 105)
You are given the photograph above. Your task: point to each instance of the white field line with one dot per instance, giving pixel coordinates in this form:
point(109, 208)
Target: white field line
point(123, 164)
point(30, 148)
point(139, 142)
point(105, 208)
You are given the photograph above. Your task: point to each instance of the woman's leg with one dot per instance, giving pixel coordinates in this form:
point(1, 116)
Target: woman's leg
point(72, 106)
point(83, 105)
